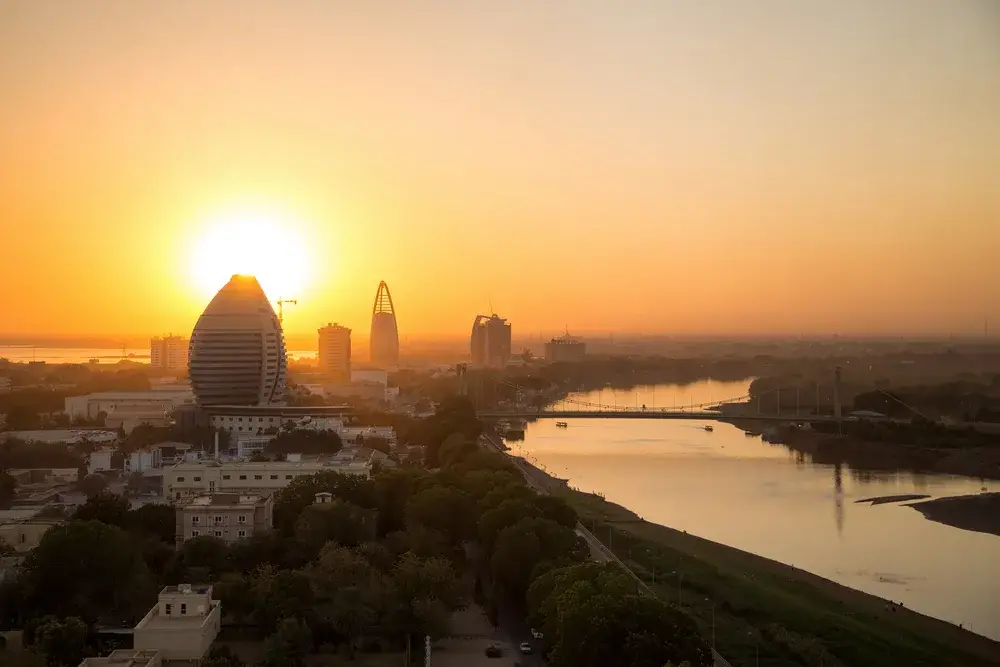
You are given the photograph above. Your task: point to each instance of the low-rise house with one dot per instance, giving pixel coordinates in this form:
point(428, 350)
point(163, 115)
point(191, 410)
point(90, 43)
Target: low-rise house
point(182, 625)
point(227, 516)
point(22, 530)
point(126, 657)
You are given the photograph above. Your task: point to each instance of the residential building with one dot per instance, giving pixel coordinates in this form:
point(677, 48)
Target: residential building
point(490, 341)
point(127, 657)
point(195, 478)
point(49, 476)
point(5, 385)
point(255, 419)
point(22, 530)
point(227, 516)
point(182, 625)
point(163, 400)
point(66, 436)
point(169, 353)
point(335, 352)
point(565, 348)
point(237, 352)
point(384, 336)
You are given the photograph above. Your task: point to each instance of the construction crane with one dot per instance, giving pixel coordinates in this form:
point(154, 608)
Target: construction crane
point(281, 309)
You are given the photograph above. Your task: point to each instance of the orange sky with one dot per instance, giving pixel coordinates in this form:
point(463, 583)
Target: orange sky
point(683, 167)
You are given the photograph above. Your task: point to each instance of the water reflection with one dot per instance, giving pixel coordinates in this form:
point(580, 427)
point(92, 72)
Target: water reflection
point(773, 499)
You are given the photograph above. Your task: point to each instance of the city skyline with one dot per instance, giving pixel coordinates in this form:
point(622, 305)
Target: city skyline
point(794, 168)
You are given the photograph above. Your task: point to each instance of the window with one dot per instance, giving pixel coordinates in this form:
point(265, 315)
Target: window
point(184, 609)
point(226, 476)
point(218, 519)
point(243, 518)
point(197, 479)
point(230, 419)
point(195, 520)
point(243, 476)
point(241, 418)
point(260, 419)
point(195, 533)
point(274, 477)
point(258, 477)
point(168, 608)
point(288, 476)
point(243, 533)
point(180, 479)
point(218, 533)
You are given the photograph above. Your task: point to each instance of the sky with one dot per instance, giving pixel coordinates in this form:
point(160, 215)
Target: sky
point(682, 167)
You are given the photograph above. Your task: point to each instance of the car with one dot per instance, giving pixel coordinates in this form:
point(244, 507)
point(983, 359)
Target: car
point(537, 634)
point(525, 648)
point(493, 651)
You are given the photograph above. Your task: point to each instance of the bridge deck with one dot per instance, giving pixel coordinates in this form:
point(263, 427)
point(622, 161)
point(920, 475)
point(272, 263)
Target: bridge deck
point(641, 414)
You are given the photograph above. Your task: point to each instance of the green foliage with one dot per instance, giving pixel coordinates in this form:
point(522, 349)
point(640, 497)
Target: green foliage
point(103, 506)
point(304, 441)
point(86, 569)
point(350, 593)
point(442, 508)
point(16, 453)
point(301, 493)
point(289, 645)
point(335, 521)
point(222, 656)
point(8, 488)
point(210, 554)
point(393, 489)
point(62, 642)
point(153, 519)
point(282, 595)
point(530, 543)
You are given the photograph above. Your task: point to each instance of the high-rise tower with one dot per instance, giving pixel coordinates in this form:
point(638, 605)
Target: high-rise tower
point(335, 352)
point(237, 350)
point(490, 341)
point(384, 341)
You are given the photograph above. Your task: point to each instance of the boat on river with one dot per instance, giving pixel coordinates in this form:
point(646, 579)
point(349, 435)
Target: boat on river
point(708, 427)
point(562, 424)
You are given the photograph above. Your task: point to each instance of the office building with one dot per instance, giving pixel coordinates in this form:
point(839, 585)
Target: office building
point(565, 348)
point(197, 478)
point(256, 420)
point(237, 353)
point(182, 625)
point(227, 516)
point(169, 353)
point(384, 340)
point(335, 352)
point(490, 341)
point(90, 406)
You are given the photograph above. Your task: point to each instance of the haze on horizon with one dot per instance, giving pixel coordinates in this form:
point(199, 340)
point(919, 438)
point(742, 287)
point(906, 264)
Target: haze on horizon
point(677, 167)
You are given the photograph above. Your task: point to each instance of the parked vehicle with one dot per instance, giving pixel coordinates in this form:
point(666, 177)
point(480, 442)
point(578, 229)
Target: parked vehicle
point(525, 648)
point(536, 634)
point(493, 651)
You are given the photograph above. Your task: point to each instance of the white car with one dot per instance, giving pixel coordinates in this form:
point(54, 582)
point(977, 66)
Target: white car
point(525, 648)
point(537, 634)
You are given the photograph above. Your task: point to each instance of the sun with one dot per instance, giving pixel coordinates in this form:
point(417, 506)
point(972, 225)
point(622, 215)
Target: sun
point(251, 244)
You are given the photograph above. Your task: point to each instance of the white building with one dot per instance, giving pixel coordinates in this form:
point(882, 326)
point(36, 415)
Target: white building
point(196, 478)
point(182, 625)
point(142, 460)
point(335, 352)
point(99, 460)
point(91, 405)
point(126, 657)
point(255, 419)
point(169, 353)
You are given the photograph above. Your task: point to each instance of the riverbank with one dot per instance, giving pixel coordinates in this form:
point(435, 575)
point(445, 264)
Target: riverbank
point(979, 512)
point(754, 608)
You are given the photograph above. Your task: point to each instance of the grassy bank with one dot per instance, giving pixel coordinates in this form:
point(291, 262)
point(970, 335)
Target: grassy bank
point(767, 611)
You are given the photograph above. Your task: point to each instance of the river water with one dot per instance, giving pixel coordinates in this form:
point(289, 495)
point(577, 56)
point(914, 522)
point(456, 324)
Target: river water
point(772, 501)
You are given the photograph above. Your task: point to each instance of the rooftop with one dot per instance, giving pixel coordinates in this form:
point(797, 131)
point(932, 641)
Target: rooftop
point(224, 500)
point(187, 589)
point(124, 658)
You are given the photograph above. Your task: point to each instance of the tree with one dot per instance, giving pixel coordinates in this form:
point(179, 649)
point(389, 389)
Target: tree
point(153, 519)
point(236, 594)
point(289, 645)
point(336, 521)
point(92, 485)
point(282, 595)
point(62, 642)
point(86, 569)
point(104, 506)
point(349, 592)
point(134, 484)
point(529, 543)
point(22, 418)
point(222, 656)
point(301, 493)
point(444, 509)
point(454, 448)
point(207, 552)
point(8, 489)
point(505, 514)
point(546, 591)
point(393, 489)
point(422, 593)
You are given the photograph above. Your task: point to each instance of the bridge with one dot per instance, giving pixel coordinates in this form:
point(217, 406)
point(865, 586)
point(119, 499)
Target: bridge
point(630, 413)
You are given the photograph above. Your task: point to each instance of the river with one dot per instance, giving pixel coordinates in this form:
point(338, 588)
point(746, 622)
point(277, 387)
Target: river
point(772, 501)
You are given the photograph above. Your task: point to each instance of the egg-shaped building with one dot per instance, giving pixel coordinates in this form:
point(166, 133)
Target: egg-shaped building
point(237, 351)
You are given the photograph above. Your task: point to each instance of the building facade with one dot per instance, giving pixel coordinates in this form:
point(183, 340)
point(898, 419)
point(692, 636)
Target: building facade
point(169, 353)
point(90, 406)
point(237, 352)
point(565, 349)
point(335, 352)
point(126, 657)
point(384, 337)
point(227, 516)
point(257, 420)
point(490, 341)
point(182, 625)
point(198, 478)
